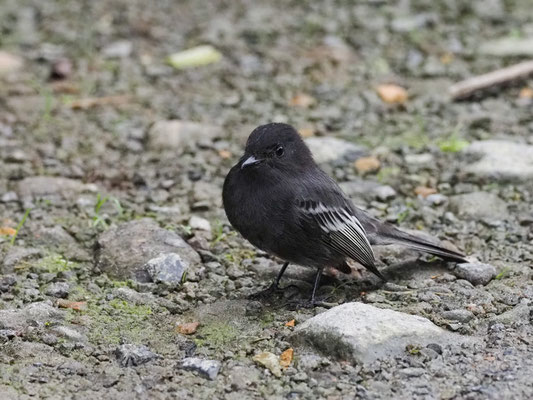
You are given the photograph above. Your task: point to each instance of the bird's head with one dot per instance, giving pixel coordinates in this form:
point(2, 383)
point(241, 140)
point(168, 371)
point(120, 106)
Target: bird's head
point(275, 146)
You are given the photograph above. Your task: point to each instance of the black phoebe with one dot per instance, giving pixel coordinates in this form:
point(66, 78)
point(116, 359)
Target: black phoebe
point(283, 203)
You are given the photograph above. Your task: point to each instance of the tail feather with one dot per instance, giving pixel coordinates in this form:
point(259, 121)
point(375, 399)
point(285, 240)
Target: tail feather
point(417, 243)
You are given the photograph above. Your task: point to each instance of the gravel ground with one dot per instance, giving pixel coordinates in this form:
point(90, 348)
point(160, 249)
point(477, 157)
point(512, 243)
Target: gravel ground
point(120, 276)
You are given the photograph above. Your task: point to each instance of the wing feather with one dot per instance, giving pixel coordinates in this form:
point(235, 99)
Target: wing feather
point(342, 231)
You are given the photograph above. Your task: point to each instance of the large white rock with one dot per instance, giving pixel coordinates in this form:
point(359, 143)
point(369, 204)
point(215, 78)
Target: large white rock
point(501, 160)
point(362, 333)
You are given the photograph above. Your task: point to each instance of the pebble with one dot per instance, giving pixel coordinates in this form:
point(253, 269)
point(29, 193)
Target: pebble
point(476, 273)
point(458, 315)
point(131, 355)
point(58, 289)
point(327, 149)
point(167, 268)
point(199, 223)
point(479, 206)
point(176, 134)
point(499, 160)
point(207, 368)
point(118, 49)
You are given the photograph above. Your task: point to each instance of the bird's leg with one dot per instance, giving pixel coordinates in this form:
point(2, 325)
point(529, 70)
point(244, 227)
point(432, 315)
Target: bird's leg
point(317, 284)
point(275, 284)
point(274, 287)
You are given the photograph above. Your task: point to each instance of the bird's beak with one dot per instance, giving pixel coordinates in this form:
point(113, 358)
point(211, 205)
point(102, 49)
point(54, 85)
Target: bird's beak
point(250, 161)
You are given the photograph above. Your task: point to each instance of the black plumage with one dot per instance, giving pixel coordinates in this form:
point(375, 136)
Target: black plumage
point(283, 203)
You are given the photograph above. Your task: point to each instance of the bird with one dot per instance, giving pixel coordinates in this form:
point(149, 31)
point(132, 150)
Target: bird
point(279, 199)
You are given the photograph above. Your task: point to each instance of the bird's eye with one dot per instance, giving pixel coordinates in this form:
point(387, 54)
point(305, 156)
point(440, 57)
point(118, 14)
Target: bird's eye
point(279, 151)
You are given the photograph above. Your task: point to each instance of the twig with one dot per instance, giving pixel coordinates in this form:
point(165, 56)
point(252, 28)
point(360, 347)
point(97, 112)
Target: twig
point(469, 86)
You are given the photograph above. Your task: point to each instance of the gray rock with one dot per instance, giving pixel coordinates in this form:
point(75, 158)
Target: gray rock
point(9, 62)
point(33, 314)
point(58, 289)
point(124, 250)
point(9, 197)
point(48, 187)
point(205, 195)
point(16, 255)
point(491, 9)
point(207, 368)
point(479, 206)
point(458, 315)
point(199, 223)
point(118, 49)
point(436, 199)
point(363, 333)
point(131, 355)
point(519, 315)
point(476, 273)
point(328, 149)
point(508, 47)
point(384, 193)
point(177, 134)
point(501, 160)
point(360, 189)
point(69, 333)
point(168, 268)
point(411, 372)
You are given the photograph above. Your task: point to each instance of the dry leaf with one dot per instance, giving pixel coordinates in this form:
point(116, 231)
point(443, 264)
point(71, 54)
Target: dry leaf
point(269, 361)
point(307, 132)
point(290, 323)
point(6, 230)
point(74, 305)
point(90, 102)
point(225, 154)
point(526, 93)
point(392, 94)
point(285, 358)
point(424, 191)
point(302, 100)
point(446, 58)
point(367, 164)
point(188, 328)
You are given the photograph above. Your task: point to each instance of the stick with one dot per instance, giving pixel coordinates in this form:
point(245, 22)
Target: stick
point(468, 86)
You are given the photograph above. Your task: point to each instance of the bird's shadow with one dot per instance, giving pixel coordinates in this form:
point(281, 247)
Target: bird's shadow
point(295, 291)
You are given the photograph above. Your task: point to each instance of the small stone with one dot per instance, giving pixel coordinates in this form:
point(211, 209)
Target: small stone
point(69, 333)
point(424, 191)
point(9, 197)
point(118, 49)
point(419, 159)
point(129, 355)
point(436, 199)
point(58, 289)
point(437, 348)
point(412, 372)
point(392, 94)
point(167, 269)
point(176, 134)
point(207, 368)
point(501, 160)
point(187, 328)
point(61, 69)
point(458, 315)
point(15, 256)
point(46, 187)
point(328, 149)
point(476, 273)
point(9, 62)
point(270, 361)
point(365, 165)
point(199, 223)
point(384, 193)
point(479, 205)
point(508, 47)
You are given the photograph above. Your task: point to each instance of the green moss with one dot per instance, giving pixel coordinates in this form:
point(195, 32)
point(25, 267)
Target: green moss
point(53, 263)
point(217, 335)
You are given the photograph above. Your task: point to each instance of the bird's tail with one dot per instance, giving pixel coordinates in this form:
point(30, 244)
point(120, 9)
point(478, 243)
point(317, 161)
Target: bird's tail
point(396, 236)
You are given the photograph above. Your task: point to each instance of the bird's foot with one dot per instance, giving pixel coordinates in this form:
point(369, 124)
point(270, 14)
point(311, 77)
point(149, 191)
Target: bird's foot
point(269, 292)
point(309, 303)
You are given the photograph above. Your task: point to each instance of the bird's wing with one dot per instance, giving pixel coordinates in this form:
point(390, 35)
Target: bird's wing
point(341, 230)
